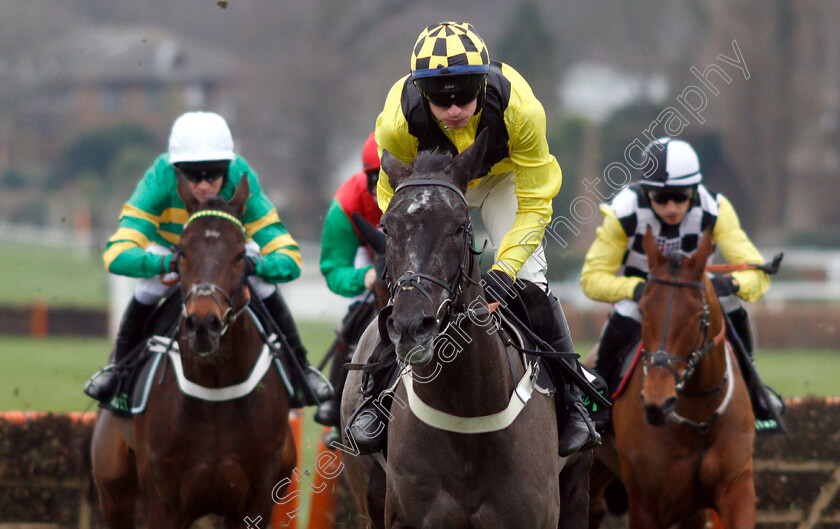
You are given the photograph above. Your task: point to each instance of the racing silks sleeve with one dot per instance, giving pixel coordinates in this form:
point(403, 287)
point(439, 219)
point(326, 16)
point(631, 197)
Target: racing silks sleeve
point(339, 244)
point(603, 260)
point(736, 247)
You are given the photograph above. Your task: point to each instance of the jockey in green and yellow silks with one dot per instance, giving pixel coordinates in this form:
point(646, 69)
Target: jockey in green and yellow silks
point(201, 149)
point(155, 215)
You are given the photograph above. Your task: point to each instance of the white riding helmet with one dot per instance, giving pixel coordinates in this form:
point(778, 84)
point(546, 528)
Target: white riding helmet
point(670, 162)
point(200, 137)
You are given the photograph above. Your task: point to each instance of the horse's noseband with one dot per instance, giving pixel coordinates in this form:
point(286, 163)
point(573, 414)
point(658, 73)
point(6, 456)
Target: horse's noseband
point(210, 290)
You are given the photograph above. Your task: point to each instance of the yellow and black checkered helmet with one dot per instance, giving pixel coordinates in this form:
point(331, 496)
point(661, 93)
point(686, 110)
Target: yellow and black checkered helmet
point(449, 63)
point(449, 48)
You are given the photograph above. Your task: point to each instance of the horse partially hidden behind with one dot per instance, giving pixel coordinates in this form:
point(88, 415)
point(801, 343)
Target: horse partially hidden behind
point(684, 427)
point(466, 463)
point(188, 456)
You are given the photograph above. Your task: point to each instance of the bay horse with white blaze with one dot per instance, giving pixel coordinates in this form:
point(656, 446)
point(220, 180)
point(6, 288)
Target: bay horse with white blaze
point(469, 444)
point(222, 448)
point(684, 426)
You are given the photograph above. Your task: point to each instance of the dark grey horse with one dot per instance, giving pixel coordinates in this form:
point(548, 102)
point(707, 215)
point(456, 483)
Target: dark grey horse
point(456, 458)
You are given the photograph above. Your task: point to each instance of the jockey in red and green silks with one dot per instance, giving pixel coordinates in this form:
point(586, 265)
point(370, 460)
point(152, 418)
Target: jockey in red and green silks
point(345, 258)
point(347, 261)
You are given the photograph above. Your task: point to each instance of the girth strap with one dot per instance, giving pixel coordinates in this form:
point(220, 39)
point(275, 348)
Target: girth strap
point(471, 425)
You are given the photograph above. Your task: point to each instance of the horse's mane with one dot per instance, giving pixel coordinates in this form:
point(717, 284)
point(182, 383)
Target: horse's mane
point(428, 162)
point(675, 259)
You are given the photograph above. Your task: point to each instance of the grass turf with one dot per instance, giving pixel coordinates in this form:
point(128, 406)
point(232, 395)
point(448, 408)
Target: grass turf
point(59, 277)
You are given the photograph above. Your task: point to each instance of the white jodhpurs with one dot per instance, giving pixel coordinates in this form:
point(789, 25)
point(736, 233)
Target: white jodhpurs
point(495, 199)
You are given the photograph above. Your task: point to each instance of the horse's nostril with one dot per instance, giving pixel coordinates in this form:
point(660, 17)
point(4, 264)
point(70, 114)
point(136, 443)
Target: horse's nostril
point(191, 323)
point(424, 328)
point(393, 332)
point(214, 324)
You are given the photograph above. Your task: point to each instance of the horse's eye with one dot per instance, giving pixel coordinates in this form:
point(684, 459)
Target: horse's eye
point(384, 229)
point(459, 230)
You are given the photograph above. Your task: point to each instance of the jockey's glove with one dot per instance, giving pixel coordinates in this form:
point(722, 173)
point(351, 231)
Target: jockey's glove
point(497, 286)
point(250, 266)
point(638, 291)
point(725, 285)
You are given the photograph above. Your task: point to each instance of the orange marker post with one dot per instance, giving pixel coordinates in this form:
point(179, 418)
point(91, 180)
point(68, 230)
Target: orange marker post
point(328, 467)
point(280, 515)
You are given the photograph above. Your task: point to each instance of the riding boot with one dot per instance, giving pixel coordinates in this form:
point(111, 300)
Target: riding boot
point(618, 337)
point(576, 433)
point(104, 383)
point(282, 316)
point(768, 406)
point(368, 426)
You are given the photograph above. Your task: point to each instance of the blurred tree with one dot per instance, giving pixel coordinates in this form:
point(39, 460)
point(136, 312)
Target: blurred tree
point(565, 142)
point(529, 46)
point(105, 165)
point(756, 112)
point(95, 151)
point(623, 127)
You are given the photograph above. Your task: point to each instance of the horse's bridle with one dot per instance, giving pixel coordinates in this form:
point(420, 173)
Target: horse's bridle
point(229, 314)
point(662, 359)
point(411, 280)
point(205, 289)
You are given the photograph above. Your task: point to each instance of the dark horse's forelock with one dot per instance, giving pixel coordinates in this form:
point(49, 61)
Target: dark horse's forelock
point(430, 162)
point(213, 202)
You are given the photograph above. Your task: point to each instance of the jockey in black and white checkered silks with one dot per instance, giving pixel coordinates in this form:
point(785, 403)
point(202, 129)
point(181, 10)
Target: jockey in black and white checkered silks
point(669, 196)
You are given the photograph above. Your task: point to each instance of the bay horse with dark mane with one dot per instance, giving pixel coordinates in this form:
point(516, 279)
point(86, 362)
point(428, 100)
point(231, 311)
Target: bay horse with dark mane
point(684, 426)
point(470, 443)
point(221, 449)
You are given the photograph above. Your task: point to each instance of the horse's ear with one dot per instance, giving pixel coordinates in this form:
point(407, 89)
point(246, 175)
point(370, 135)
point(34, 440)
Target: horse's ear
point(243, 191)
point(654, 255)
point(704, 250)
point(369, 233)
point(466, 166)
point(394, 168)
point(186, 194)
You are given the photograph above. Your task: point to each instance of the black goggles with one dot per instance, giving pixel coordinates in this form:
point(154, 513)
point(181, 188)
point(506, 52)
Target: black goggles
point(197, 172)
point(372, 180)
point(667, 195)
point(445, 91)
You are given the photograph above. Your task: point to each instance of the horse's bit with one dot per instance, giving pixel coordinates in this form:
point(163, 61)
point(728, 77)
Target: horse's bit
point(411, 280)
point(662, 359)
